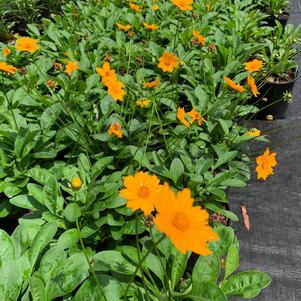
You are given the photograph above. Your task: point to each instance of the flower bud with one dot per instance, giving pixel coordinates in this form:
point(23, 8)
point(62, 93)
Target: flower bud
point(76, 183)
point(269, 117)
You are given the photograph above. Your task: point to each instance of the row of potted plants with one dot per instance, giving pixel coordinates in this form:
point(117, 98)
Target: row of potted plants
point(119, 135)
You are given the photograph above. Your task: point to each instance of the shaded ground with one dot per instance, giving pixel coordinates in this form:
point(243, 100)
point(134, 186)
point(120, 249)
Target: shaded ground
point(273, 244)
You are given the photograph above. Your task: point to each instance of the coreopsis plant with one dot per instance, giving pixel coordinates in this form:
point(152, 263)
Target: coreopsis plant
point(118, 123)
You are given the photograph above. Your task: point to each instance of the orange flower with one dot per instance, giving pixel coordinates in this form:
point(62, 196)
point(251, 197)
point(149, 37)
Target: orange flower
point(254, 65)
point(196, 116)
point(181, 114)
point(155, 7)
point(252, 85)
point(233, 85)
point(6, 51)
point(115, 129)
point(254, 132)
point(70, 67)
point(106, 73)
point(153, 84)
point(115, 89)
point(200, 39)
point(168, 62)
point(135, 7)
point(265, 164)
point(150, 26)
point(186, 225)
point(123, 27)
point(141, 191)
point(7, 68)
point(183, 4)
point(27, 44)
point(143, 102)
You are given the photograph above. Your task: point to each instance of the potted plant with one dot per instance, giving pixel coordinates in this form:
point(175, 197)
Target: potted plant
point(277, 10)
point(280, 73)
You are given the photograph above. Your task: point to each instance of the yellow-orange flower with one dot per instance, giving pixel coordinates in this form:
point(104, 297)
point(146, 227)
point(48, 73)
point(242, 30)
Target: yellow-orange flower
point(153, 84)
point(107, 74)
point(76, 183)
point(141, 191)
point(155, 7)
point(135, 7)
point(254, 132)
point(115, 89)
point(123, 27)
point(252, 85)
point(168, 62)
point(143, 102)
point(7, 68)
point(181, 114)
point(183, 4)
point(27, 44)
point(115, 129)
point(265, 164)
point(233, 85)
point(6, 51)
point(196, 116)
point(200, 39)
point(150, 26)
point(254, 65)
point(70, 67)
point(186, 225)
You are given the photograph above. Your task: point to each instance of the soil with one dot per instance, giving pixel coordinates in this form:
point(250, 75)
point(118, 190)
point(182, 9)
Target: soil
point(287, 77)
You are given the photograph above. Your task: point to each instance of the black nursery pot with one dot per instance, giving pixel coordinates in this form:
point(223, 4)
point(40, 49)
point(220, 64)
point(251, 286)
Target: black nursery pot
point(283, 18)
point(271, 101)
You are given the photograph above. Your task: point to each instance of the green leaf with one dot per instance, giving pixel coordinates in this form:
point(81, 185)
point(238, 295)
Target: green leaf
point(245, 282)
point(68, 274)
point(27, 202)
point(68, 239)
point(50, 115)
point(226, 237)
point(206, 269)
point(37, 192)
point(20, 238)
point(224, 158)
point(111, 287)
point(72, 212)
point(37, 287)
point(40, 241)
point(92, 81)
point(176, 169)
point(106, 261)
point(179, 264)
point(100, 166)
point(7, 250)
point(207, 292)
point(232, 260)
point(10, 281)
point(222, 211)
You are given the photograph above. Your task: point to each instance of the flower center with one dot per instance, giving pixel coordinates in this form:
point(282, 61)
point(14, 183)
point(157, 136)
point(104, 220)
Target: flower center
point(180, 221)
point(143, 192)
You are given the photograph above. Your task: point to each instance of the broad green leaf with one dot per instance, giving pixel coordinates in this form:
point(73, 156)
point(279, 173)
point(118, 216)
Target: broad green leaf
point(176, 169)
point(37, 288)
point(232, 259)
point(26, 201)
point(20, 238)
point(244, 282)
point(179, 263)
point(112, 261)
point(207, 292)
point(10, 281)
point(68, 274)
point(226, 237)
point(7, 250)
point(72, 212)
point(40, 241)
point(90, 291)
point(206, 269)
point(68, 239)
